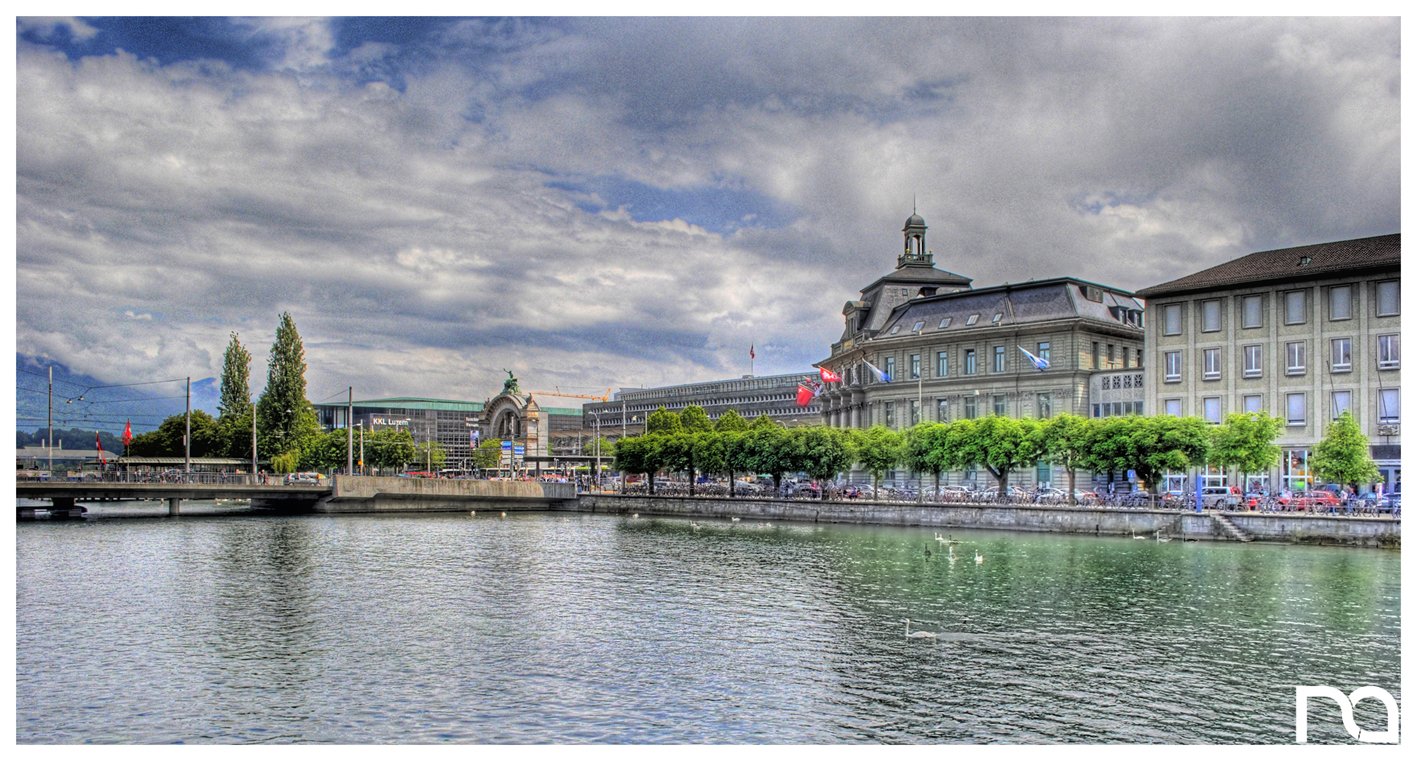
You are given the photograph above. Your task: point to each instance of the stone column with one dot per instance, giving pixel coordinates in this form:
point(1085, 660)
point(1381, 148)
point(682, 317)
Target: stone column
point(173, 505)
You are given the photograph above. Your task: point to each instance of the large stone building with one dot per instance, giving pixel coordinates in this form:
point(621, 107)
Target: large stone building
point(953, 351)
point(751, 396)
point(1299, 333)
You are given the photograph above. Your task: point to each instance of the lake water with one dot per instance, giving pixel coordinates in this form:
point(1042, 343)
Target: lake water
point(555, 628)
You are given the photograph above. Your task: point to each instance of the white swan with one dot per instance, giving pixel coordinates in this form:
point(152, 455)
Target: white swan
point(978, 559)
point(634, 515)
point(735, 519)
point(472, 513)
point(917, 634)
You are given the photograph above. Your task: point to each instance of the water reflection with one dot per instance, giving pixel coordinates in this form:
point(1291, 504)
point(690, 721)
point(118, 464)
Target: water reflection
point(552, 628)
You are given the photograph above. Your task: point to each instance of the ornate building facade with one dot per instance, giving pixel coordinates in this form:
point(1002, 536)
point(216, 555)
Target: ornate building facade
point(953, 351)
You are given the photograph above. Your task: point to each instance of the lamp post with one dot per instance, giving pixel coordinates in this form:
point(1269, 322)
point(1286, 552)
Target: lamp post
point(360, 426)
point(596, 417)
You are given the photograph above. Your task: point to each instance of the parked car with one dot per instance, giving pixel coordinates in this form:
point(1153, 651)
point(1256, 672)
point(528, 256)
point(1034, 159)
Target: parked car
point(1218, 497)
point(1313, 500)
point(294, 479)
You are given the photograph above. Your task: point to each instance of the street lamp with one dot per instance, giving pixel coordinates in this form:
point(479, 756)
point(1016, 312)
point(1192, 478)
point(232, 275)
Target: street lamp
point(596, 417)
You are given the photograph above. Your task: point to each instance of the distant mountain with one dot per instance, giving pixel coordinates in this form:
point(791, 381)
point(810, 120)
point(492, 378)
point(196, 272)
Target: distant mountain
point(95, 404)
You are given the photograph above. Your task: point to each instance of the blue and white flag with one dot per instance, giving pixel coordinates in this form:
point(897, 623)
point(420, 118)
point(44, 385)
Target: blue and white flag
point(1038, 362)
point(880, 374)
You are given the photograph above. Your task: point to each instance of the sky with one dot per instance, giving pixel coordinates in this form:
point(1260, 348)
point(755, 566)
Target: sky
point(600, 203)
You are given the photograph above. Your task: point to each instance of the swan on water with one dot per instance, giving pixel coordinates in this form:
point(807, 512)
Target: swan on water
point(504, 514)
point(735, 519)
point(978, 558)
point(634, 515)
point(917, 634)
point(472, 513)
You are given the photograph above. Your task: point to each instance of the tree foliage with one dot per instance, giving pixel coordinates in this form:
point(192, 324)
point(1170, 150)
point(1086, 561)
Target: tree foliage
point(999, 444)
point(822, 453)
point(730, 421)
point(663, 421)
point(1245, 442)
point(167, 440)
point(1064, 440)
point(877, 449)
point(1343, 455)
point(235, 381)
point(285, 418)
point(693, 419)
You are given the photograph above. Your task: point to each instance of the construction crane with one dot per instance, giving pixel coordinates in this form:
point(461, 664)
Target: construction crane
point(601, 398)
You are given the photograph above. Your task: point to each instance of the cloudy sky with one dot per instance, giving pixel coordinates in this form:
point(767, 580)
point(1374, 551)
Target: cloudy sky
point(600, 203)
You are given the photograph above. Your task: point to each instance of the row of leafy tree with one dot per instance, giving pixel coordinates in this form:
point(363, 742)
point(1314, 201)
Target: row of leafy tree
point(1150, 446)
point(287, 429)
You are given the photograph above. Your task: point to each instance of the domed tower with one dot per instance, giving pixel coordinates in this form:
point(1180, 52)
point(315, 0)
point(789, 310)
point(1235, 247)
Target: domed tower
point(915, 251)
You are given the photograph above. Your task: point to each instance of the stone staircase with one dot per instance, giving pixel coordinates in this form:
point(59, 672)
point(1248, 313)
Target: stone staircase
point(1230, 528)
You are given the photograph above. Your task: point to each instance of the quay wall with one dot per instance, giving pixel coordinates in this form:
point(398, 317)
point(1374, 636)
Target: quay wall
point(1268, 527)
point(377, 494)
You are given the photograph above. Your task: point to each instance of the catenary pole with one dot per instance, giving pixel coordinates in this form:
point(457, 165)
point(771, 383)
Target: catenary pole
point(187, 440)
point(349, 439)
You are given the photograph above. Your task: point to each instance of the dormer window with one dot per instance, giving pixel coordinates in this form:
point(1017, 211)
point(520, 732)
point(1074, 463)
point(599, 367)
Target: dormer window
point(972, 319)
point(895, 330)
point(998, 317)
point(919, 325)
point(945, 323)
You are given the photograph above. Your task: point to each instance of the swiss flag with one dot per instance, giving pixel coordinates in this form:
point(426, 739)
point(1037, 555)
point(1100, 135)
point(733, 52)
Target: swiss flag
point(127, 434)
point(99, 443)
point(828, 376)
point(804, 395)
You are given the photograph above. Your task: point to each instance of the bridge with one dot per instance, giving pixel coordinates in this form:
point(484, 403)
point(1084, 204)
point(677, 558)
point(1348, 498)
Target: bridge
point(343, 494)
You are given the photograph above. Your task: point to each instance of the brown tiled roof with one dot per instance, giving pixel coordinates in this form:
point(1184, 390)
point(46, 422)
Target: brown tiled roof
point(1302, 262)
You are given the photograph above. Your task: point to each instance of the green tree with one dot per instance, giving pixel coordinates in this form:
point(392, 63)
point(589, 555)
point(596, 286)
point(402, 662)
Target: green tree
point(730, 421)
point(1000, 444)
point(767, 449)
point(763, 421)
point(488, 454)
point(166, 441)
point(1064, 440)
point(878, 449)
point(1245, 442)
point(235, 380)
point(324, 452)
point(1342, 457)
point(663, 421)
point(635, 454)
point(389, 448)
point(693, 419)
point(921, 446)
point(284, 416)
point(1153, 446)
point(824, 452)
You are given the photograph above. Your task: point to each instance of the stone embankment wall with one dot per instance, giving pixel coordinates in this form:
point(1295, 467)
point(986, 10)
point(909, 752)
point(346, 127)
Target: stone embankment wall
point(1309, 529)
point(375, 494)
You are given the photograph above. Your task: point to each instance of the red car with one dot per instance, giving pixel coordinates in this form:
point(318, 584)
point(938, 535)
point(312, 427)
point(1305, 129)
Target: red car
point(1314, 500)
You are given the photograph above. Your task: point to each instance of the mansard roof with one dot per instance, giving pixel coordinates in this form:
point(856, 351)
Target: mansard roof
point(1014, 304)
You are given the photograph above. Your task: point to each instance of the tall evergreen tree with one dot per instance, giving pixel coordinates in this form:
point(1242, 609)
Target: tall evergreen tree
point(235, 380)
point(285, 417)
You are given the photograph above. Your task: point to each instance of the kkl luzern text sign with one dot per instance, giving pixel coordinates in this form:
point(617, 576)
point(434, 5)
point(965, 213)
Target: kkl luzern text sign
point(1302, 693)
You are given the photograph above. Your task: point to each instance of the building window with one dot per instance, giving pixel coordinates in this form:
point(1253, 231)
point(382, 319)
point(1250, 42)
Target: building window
point(1173, 407)
point(1340, 302)
point(969, 362)
point(1096, 356)
point(970, 320)
point(1045, 351)
point(1126, 356)
point(942, 410)
point(1210, 316)
point(889, 365)
point(942, 364)
point(1254, 360)
point(888, 408)
point(1296, 307)
point(1342, 354)
point(1045, 406)
point(914, 366)
point(1294, 358)
point(1171, 320)
point(1211, 406)
point(919, 325)
point(945, 322)
point(971, 407)
point(1342, 402)
point(1388, 293)
point(1000, 404)
point(998, 359)
point(1173, 366)
point(1211, 359)
point(1294, 469)
point(1389, 405)
point(1252, 312)
point(914, 411)
point(1111, 355)
point(1295, 409)
point(1389, 353)
point(1253, 403)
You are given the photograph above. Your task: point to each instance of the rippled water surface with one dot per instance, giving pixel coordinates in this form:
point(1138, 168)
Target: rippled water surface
point(548, 628)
